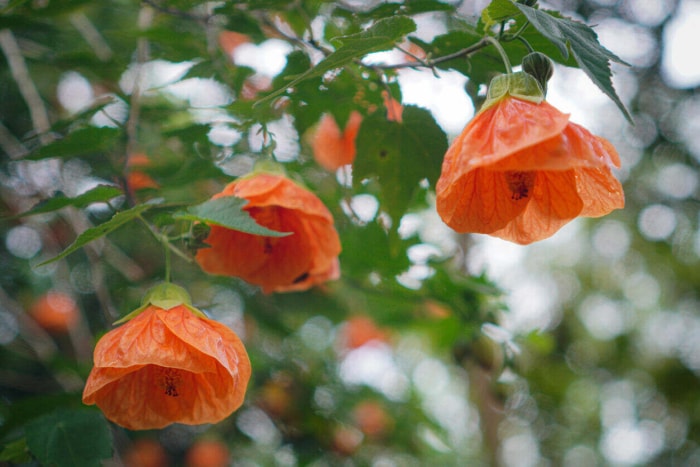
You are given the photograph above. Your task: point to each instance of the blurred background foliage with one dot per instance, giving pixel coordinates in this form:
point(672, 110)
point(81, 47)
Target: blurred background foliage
point(433, 348)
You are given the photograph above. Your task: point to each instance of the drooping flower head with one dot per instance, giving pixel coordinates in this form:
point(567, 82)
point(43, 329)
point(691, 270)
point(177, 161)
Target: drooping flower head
point(278, 264)
point(521, 170)
point(168, 364)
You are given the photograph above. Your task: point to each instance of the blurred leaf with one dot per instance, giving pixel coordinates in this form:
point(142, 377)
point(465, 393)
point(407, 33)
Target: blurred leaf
point(15, 452)
point(592, 57)
point(101, 230)
point(90, 140)
point(400, 155)
point(101, 193)
point(408, 7)
point(382, 35)
point(366, 250)
point(66, 438)
point(227, 212)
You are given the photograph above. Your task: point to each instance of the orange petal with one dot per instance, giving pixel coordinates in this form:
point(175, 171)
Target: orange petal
point(554, 202)
point(331, 148)
point(600, 191)
point(509, 126)
point(480, 202)
point(277, 264)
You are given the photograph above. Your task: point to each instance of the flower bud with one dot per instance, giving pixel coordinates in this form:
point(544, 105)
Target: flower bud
point(540, 67)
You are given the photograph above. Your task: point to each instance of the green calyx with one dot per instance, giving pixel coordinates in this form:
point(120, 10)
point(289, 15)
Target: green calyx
point(520, 85)
point(540, 67)
point(164, 296)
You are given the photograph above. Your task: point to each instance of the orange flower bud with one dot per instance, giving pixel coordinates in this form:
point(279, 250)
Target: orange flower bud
point(56, 312)
point(333, 149)
point(520, 170)
point(168, 365)
point(278, 264)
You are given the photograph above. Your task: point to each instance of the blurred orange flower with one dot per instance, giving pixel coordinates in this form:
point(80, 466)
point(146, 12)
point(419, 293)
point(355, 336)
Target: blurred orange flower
point(56, 312)
point(137, 179)
point(394, 109)
point(230, 40)
point(278, 264)
point(208, 453)
point(333, 149)
point(360, 330)
point(168, 365)
point(520, 170)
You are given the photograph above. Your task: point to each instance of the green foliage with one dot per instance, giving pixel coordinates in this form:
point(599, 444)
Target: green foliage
point(101, 193)
point(400, 155)
point(84, 141)
point(435, 355)
point(582, 40)
point(67, 438)
point(99, 231)
point(380, 36)
point(227, 212)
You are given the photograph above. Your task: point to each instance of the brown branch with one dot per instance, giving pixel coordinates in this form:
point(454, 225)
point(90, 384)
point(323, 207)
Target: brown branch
point(20, 73)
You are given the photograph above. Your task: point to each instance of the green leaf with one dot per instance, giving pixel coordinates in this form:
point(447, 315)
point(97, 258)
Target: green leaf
point(66, 438)
point(227, 212)
point(88, 140)
point(400, 155)
point(101, 230)
point(382, 35)
point(593, 58)
point(101, 193)
point(497, 11)
point(15, 452)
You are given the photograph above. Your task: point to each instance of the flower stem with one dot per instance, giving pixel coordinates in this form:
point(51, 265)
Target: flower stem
point(502, 52)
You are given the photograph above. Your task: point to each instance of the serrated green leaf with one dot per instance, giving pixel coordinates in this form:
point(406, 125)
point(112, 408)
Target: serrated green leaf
point(382, 35)
point(101, 230)
point(101, 193)
point(88, 140)
point(593, 58)
point(227, 212)
point(66, 438)
point(400, 155)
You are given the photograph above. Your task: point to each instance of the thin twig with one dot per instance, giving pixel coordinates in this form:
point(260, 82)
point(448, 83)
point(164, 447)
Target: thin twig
point(11, 145)
point(20, 73)
point(91, 35)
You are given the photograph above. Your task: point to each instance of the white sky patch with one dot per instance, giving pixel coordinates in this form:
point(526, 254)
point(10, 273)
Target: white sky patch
point(267, 58)
point(152, 75)
point(680, 66)
point(74, 92)
point(632, 43)
point(444, 97)
point(201, 92)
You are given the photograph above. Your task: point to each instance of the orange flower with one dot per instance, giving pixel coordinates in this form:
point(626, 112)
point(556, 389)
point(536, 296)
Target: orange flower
point(394, 109)
point(520, 170)
point(137, 179)
point(231, 40)
point(56, 312)
point(168, 364)
point(333, 149)
point(277, 264)
point(208, 453)
point(359, 330)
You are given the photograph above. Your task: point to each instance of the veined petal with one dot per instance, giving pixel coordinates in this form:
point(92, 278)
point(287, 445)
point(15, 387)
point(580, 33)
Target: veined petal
point(573, 147)
point(504, 129)
point(554, 203)
point(480, 202)
point(600, 191)
point(276, 190)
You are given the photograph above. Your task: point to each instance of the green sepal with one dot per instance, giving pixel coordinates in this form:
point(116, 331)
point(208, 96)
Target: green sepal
point(164, 296)
point(520, 85)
